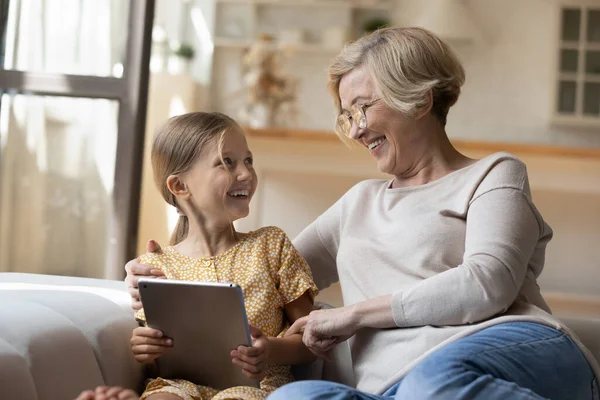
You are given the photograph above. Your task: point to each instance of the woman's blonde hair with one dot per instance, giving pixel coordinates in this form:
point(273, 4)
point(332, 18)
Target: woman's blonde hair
point(405, 64)
point(178, 145)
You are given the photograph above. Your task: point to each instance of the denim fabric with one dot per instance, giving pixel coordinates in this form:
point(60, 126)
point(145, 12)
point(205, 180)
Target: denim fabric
point(516, 360)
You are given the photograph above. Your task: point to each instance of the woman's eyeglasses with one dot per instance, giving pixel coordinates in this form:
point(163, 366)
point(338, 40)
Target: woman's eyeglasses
point(357, 114)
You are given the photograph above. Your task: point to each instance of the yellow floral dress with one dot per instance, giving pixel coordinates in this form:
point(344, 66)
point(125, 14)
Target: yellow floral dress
point(271, 274)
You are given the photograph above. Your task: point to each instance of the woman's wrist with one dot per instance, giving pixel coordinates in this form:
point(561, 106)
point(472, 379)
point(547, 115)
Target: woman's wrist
point(357, 317)
point(373, 313)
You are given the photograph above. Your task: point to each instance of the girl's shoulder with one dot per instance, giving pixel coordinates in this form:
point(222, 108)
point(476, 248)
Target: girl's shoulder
point(269, 232)
point(271, 237)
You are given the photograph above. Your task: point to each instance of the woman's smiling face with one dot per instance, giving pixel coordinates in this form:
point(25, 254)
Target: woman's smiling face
point(387, 133)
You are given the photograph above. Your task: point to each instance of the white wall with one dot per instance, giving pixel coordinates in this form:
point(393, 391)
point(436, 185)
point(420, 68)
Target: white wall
point(573, 255)
point(298, 198)
point(168, 95)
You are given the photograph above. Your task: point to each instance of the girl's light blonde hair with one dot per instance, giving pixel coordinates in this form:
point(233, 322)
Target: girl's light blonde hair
point(178, 145)
point(405, 64)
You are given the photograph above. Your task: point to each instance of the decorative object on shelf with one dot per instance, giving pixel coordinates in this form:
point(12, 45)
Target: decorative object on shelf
point(312, 32)
point(270, 92)
point(181, 57)
point(375, 23)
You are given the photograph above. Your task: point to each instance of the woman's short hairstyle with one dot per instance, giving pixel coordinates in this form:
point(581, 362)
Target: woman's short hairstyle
point(405, 64)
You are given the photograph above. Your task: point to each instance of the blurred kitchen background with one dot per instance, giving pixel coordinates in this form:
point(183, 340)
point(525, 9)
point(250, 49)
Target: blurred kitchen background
point(85, 83)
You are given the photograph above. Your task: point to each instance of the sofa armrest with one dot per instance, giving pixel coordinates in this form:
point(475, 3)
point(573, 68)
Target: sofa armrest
point(59, 338)
point(338, 370)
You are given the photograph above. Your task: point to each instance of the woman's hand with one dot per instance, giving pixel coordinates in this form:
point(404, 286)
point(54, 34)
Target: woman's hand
point(325, 329)
point(253, 360)
point(148, 344)
point(135, 271)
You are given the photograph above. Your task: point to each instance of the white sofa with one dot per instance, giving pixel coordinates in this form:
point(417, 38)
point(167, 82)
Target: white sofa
point(62, 335)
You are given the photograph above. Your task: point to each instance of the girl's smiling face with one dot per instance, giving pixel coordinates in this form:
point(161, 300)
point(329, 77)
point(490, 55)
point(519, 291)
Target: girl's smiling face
point(223, 180)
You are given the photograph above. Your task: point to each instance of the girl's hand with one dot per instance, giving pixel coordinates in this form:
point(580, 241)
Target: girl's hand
point(325, 329)
point(135, 271)
point(253, 360)
point(148, 344)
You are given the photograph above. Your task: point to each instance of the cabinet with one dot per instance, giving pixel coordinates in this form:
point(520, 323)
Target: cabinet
point(307, 25)
point(578, 86)
point(314, 31)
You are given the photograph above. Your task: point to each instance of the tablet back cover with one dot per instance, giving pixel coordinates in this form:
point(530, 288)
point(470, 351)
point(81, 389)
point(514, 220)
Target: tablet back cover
point(206, 321)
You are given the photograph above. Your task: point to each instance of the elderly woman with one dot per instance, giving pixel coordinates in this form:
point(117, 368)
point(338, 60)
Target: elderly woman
point(437, 265)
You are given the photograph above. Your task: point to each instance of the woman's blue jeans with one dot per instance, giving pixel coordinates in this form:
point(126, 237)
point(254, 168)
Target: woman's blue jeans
point(516, 360)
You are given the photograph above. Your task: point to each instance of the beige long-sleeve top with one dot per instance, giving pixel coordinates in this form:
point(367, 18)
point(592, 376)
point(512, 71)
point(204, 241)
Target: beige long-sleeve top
point(457, 254)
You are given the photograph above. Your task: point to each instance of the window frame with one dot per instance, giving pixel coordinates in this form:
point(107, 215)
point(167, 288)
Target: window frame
point(577, 119)
point(131, 90)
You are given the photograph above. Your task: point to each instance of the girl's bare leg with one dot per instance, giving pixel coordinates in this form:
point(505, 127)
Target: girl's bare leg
point(109, 393)
point(163, 396)
point(119, 393)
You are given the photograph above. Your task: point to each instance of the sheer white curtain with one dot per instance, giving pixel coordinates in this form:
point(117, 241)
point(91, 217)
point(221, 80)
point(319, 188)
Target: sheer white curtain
point(58, 154)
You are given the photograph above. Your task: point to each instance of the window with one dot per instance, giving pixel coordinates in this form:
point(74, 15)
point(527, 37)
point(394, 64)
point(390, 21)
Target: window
point(73, 88)
point(578, 92)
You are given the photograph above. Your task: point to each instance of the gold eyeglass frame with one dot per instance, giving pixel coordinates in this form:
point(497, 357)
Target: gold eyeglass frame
point(357, 112)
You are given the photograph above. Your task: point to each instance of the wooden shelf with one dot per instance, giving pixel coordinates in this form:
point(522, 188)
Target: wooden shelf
point(465, 145)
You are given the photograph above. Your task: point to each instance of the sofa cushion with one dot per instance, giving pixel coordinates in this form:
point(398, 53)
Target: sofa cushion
point(57, 340)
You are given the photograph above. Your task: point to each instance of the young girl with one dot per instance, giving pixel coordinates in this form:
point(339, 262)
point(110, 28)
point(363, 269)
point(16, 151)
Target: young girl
point(203, 167)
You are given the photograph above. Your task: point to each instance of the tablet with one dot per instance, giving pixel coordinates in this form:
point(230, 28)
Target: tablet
point(205, 321)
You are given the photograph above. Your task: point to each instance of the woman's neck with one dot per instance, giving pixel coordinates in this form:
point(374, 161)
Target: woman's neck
point(208, 239)
point(439, 158)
